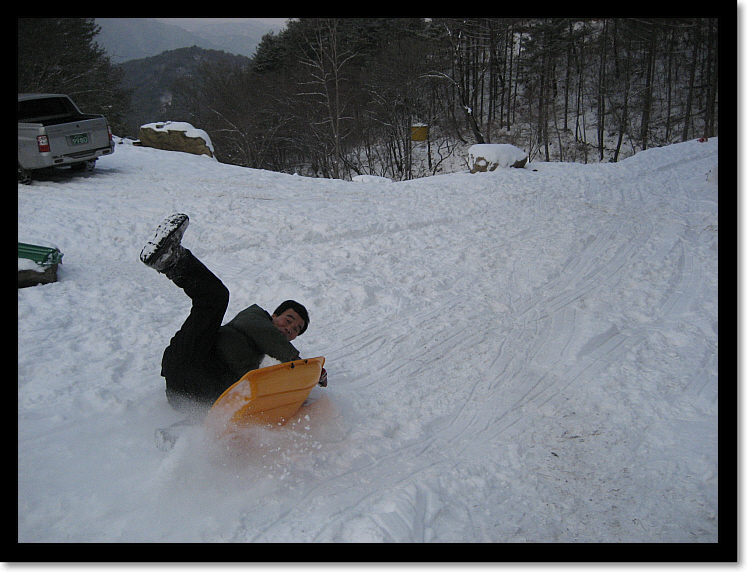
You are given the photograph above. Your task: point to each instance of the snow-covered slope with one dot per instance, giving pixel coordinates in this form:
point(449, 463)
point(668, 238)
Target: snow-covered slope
point(512, 356)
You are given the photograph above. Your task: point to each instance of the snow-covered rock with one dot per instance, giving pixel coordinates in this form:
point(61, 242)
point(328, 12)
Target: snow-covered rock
point(489, 156)
point(176, 136)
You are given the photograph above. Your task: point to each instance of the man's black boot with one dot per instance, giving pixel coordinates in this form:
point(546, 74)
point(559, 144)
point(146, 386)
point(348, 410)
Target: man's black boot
point(164, 250)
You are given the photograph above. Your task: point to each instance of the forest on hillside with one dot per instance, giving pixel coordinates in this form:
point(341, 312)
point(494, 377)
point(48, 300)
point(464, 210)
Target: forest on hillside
point(150, 81)
point(337, 97)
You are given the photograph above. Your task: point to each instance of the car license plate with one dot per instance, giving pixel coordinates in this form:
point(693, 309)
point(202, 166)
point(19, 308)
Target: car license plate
point(79, 139)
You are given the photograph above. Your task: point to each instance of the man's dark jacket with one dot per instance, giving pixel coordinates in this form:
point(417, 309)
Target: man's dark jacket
point(243, 342)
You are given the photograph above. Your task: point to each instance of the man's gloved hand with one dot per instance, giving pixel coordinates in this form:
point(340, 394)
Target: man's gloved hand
point(323, 378)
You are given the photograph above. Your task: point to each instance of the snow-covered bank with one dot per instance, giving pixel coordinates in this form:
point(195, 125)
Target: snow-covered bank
point(512, 356)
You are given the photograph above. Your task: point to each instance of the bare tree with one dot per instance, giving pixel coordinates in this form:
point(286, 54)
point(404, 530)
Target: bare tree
point(326, 61)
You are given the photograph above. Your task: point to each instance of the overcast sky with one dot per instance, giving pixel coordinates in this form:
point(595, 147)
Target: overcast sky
point(194, 23)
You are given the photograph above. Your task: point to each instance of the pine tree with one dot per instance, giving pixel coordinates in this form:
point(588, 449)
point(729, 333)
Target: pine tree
point(60, 55)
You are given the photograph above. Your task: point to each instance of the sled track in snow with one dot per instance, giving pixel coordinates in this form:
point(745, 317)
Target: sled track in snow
point(532, 368)
point(534, 364)
point(561, 337)
point(537, 354)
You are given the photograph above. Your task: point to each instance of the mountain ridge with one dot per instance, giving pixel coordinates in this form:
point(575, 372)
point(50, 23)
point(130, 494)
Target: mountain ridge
point(126, 39)
point(151, 79)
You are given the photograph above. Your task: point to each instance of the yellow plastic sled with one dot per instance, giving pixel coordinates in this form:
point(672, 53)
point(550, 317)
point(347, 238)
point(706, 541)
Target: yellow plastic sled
point(266, 396)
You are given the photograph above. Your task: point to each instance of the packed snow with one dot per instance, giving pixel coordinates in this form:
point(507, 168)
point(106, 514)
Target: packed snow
point(526, 355)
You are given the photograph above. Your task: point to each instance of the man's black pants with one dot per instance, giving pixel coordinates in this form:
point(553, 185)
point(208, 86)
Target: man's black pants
point(195, 376)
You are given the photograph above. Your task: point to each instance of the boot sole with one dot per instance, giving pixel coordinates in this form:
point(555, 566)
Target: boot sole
point(170, 230)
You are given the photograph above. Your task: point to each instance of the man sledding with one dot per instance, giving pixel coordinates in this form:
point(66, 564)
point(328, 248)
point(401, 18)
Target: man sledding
point(204, 358)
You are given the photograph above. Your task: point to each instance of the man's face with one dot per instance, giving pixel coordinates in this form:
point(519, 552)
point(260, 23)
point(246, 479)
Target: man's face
point(289, 323)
